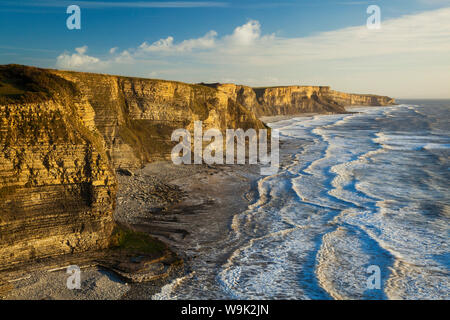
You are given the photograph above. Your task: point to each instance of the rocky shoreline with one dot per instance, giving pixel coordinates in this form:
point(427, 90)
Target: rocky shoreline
point(196, 221)
point(187, 207)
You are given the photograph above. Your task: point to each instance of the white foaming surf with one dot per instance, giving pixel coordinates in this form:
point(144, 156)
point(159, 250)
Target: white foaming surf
point(349, 199)
point(354, 190)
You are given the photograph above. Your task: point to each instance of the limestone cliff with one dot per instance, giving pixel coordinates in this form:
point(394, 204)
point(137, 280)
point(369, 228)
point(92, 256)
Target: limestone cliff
point(57, 189)
point(62, 136)
point(352, 99)
point(296, 99)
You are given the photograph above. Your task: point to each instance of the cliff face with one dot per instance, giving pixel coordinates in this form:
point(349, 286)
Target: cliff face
point(351, 99)
point(62, 136)
point(57, 189)
point(296, 99)
point(137, 116)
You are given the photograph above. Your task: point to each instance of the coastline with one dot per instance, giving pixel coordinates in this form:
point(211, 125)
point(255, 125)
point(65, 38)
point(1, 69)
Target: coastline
point(190, 208)
point(196, 223)
point(272, 119)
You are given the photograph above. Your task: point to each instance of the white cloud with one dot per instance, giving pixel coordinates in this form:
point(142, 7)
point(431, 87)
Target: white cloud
point(79, 59)
point(125, 57)
point(81, 50)
point(246, 34)
point(167, 45)
point(160, 45)
point(205, 42)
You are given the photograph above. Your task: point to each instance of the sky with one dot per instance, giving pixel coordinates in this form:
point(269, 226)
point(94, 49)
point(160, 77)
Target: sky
point(256, 43)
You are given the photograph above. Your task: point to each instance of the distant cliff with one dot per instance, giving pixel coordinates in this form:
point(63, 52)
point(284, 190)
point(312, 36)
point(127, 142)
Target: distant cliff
point(297, 99)
point(352, 99)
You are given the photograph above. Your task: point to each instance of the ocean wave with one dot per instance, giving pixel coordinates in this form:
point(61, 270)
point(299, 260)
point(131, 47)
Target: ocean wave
point(348, 199)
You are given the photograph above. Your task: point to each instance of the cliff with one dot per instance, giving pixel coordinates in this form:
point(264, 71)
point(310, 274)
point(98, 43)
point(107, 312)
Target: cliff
point(57, 188)
point(63, 135)
point(297, 99)
point(352, 99)
point(137, 116)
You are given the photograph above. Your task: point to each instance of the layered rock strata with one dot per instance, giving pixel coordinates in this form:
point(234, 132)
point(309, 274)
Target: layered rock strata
point(64, 134)
point(287, 100)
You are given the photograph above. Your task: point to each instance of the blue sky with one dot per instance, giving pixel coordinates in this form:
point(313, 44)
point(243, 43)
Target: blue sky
point(249, 42)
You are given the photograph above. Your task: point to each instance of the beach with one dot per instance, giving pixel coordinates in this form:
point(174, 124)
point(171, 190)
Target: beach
point(189, 207)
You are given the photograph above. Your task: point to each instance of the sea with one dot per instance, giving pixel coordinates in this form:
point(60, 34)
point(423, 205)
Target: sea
point(360, 209)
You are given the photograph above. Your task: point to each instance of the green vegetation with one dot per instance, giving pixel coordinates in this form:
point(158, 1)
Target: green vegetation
point(137, 242)
point(7, 89)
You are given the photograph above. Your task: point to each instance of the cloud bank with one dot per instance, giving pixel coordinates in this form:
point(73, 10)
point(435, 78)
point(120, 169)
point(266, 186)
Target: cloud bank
point(408, 56)
point(79, 59)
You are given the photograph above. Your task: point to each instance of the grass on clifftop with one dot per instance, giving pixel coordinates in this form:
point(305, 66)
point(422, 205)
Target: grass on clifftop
point(22, 84)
